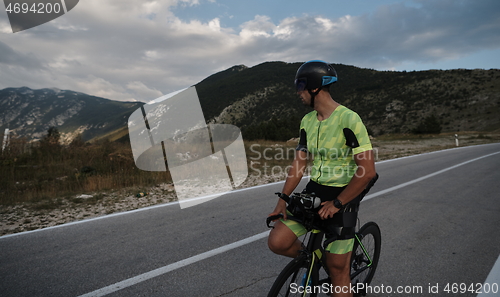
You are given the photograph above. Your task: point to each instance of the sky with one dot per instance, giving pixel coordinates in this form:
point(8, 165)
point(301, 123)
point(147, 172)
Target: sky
point(131, 50)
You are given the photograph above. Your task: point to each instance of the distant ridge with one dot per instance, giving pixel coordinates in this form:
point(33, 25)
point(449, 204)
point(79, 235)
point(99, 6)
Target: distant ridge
point(261, 100)
point(30, 113)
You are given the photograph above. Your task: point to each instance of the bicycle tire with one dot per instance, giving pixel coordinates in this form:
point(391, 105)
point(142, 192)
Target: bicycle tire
point(293, 273)
point(371, 240)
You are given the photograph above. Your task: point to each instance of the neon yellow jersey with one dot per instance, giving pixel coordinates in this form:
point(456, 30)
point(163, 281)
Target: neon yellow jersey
point(333, 163)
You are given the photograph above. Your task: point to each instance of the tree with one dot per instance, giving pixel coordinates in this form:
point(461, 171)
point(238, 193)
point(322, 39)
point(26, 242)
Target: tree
point(51, 140)
point(429, 125)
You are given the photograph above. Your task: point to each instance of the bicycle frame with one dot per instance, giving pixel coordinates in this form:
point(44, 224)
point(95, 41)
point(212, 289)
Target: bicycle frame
point(316, 253)
point(313, 256)
point(365, 252)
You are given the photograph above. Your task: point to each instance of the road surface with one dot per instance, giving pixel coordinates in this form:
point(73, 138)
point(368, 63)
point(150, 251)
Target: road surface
point(439, 214)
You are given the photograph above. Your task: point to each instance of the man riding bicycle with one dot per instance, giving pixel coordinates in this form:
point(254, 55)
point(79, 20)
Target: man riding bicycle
point(343, 165)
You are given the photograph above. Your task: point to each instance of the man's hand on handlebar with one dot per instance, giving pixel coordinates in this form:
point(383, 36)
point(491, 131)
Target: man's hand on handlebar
point(280, 207)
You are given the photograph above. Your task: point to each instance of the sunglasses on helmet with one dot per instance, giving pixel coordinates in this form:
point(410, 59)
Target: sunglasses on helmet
point(300, 84)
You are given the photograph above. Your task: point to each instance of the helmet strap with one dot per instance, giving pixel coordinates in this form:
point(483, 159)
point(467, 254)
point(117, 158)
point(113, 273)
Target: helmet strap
point(313, 96)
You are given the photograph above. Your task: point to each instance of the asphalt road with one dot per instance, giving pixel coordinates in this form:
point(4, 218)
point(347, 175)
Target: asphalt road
point(439, 214)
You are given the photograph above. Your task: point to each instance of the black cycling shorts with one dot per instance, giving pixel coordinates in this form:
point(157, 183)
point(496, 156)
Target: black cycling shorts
point(342, 224)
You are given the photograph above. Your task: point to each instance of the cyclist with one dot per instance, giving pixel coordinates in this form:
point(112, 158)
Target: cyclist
point(343, 165)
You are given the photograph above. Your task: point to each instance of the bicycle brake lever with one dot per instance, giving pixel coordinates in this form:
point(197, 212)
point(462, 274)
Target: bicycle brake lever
point(273, 218)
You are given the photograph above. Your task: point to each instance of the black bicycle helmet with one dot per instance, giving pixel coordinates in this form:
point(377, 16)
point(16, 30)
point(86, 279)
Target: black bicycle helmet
point(314, 74)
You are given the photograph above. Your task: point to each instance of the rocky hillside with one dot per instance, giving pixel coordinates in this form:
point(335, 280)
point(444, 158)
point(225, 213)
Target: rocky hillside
point(262, 102)
point(30, 113)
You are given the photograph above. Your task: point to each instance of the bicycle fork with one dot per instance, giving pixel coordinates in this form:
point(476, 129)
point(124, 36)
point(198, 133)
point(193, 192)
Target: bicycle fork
point(357, 261)
point(307, 278)
point(364, 250)
point(316, 258)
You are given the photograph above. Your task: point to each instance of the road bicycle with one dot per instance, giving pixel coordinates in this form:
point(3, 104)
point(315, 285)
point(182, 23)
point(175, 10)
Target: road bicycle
point(307, 274)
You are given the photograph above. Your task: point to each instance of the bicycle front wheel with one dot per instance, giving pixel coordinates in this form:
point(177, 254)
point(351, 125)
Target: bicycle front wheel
point(365, 256)
point(295, 279)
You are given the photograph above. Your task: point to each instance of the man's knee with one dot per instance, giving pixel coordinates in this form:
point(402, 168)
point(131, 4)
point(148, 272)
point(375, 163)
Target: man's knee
point(339, 264)
point(337, 270)
point(275, 245)
point(281, 239)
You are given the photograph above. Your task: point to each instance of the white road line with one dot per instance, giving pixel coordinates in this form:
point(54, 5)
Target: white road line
point(492, 282)
point(128, 212)
point(165, 269)
point(424, 177)
point(234, 191)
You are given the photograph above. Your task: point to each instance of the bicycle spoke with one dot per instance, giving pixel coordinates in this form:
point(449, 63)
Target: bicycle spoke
point(365, 254)
point(297, 279)
point(295, 283)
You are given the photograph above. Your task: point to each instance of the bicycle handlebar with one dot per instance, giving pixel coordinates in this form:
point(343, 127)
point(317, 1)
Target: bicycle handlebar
point(309, 203)
point(273, 218)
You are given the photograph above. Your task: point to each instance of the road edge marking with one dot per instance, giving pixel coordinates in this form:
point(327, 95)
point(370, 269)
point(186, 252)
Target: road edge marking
point(182, 263)
point(168, 268)
point(234, 191)
point(382, 192)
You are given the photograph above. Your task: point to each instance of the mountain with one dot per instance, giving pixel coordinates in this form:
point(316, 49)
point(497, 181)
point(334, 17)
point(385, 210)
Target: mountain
point(30, 113)
point(261, 100)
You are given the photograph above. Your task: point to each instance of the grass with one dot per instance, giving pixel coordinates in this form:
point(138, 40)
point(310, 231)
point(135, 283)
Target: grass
point(43, 186)
point(392, 146)
point(46, 175)
point(36, 173)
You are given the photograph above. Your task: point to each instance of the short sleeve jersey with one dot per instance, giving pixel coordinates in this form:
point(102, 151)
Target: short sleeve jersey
point(333, 163)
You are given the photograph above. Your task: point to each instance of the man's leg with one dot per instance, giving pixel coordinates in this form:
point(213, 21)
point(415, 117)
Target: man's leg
point(338, 265)
point(283, 241)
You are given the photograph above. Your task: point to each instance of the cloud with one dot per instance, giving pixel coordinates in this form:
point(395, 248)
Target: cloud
point(142, 90)
point(138, 50)
point(433, 31)
point(436, 30)
point(9, 57)
point(260, 26)
point(103, 88)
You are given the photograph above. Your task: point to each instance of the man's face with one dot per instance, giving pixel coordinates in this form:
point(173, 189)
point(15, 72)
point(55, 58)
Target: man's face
point(305, 97)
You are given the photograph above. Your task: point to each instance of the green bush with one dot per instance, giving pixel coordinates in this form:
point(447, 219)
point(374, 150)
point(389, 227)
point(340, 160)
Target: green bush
point(43, 171)
point(429, 125)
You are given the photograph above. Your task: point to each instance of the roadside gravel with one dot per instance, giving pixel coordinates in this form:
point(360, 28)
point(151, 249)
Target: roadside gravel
point(25, 217)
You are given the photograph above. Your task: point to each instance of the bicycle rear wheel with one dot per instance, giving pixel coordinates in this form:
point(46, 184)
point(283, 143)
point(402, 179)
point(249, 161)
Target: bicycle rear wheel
point(292, 281)
point(364, 258)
